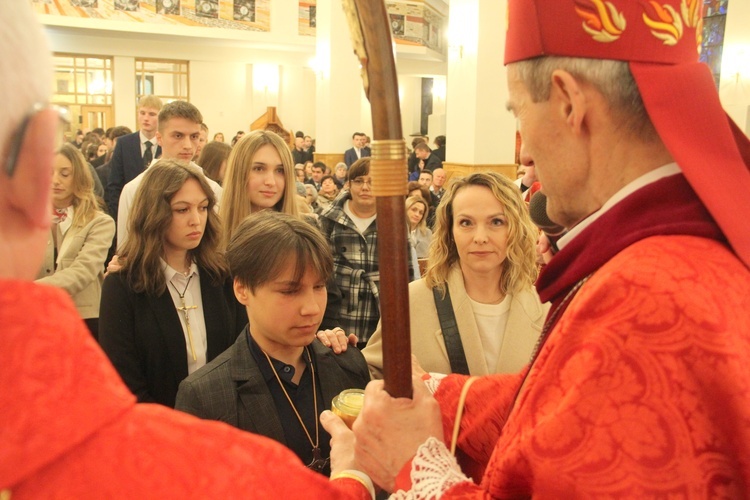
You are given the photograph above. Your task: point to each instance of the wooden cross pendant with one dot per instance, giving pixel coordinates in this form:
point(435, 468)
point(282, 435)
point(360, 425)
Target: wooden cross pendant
point(185, 309)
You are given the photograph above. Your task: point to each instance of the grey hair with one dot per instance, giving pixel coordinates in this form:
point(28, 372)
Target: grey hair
point(612, 79)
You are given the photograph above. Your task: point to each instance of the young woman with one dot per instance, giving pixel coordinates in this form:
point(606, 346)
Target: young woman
point(213, 160)
point(419, 234)
point(170, 308)
point(483, 255)
point(80, 237)
point(218, 137)
point(259, 176)
point(276, 380)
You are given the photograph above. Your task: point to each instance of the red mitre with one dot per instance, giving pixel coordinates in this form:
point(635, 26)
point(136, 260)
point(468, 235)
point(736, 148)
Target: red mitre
point(660, 39)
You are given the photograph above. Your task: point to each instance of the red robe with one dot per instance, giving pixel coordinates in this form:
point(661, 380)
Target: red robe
point(69, 428)
point(642, 389)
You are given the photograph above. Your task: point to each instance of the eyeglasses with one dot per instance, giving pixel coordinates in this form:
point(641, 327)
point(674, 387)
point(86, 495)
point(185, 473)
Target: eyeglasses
point(360, 183)
point(16, 141)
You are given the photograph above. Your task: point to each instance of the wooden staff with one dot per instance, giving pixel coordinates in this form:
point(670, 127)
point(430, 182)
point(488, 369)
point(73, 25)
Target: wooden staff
point(371, 36)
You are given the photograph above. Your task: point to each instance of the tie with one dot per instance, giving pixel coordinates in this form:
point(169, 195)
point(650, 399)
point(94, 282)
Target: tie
point(148, 155)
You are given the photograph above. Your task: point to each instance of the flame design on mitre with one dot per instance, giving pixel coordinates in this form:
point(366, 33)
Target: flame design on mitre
point(691, 12)
point(666, 25)
point(601, 19)
point(692, 15)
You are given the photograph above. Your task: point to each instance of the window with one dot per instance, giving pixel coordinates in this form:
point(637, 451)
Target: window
point(81, 79)
point(163, 78)
point(83, 85)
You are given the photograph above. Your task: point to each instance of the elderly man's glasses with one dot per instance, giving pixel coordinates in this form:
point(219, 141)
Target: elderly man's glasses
point(16, 142)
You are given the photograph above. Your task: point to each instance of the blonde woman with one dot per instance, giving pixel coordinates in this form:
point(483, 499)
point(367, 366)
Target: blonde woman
point(259, 176)
point(419, 234)
point(80, 237)
point(483, 256)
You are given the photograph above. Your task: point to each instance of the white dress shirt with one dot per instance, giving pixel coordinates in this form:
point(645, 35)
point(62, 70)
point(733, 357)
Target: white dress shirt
point(190, 287)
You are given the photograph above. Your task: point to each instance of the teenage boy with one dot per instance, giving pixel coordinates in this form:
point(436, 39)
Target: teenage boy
point(277, 378)
point(178, 135)
point(134, 152)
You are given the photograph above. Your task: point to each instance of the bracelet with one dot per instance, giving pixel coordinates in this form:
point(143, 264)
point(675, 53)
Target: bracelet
point(358, 476)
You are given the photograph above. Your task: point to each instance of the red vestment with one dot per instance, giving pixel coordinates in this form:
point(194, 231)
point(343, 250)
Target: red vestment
point(69, 428)
point(642, 389)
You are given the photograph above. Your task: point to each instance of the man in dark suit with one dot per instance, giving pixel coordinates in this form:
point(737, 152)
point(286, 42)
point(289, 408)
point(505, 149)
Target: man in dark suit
point(134, 152)
point(318, 171)
point(358, 150)
point(114, 134)
point(277, 378)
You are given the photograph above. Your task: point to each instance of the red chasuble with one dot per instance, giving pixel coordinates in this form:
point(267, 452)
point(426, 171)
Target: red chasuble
point(642, 388)
point(69, 428)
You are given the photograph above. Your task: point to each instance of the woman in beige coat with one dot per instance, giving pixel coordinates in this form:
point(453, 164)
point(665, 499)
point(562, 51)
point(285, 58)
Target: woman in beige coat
point(482, 253)
point(80, 236)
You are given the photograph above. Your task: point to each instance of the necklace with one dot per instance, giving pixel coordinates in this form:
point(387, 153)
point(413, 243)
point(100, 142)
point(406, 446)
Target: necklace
point(185, 309)
point(318, 463)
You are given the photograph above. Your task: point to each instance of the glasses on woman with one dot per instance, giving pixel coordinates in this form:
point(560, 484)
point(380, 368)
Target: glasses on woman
point(359, 182)
point(20, 133)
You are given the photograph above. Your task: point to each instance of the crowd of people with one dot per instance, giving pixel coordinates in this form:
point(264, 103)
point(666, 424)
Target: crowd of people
point(240, 284)
point(156, 264)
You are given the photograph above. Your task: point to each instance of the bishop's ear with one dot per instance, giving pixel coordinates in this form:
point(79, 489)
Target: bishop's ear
point(568, 93)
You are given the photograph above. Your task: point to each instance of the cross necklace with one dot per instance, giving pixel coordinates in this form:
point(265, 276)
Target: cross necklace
point(185, 310)
point(318, 463)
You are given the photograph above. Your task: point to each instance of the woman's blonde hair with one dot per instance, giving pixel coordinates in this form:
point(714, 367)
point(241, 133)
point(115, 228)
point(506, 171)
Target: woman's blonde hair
point(235, 205)
point(519, 267)
point(85, 204)
point(422, 224)
point(149, 222)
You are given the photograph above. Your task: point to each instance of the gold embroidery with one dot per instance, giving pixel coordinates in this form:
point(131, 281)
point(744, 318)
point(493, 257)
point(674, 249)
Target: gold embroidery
point(667, 26)
point(601, 19)
point(691, 12)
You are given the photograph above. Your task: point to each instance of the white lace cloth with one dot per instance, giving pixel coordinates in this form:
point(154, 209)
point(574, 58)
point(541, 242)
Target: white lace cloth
point(433, 381)
point(433, 471)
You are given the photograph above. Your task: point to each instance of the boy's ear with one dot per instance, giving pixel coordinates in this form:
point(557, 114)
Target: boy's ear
point(241, 292)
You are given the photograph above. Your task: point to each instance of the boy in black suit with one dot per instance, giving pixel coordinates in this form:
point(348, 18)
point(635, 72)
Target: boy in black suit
point(277, 378)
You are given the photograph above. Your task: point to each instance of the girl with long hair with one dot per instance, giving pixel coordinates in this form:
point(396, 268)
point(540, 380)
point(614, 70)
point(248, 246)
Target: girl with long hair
point(213, 160)
point(259, 176)
point(170, 308)
point(80, 236)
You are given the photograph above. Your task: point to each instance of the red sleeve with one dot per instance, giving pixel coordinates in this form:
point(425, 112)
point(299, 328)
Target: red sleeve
point(350, 489)
point(485, 411)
